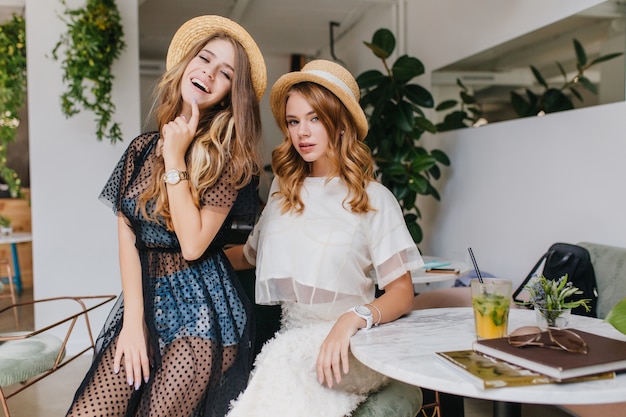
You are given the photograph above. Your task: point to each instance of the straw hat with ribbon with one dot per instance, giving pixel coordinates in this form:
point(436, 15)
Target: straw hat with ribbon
point(201, 27)
point(328, 74)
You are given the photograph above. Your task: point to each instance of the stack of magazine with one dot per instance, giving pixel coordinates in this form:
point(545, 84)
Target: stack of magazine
point(494, 363)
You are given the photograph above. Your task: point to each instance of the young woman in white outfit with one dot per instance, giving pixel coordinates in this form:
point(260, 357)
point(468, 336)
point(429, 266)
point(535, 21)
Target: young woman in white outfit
point(328, 228)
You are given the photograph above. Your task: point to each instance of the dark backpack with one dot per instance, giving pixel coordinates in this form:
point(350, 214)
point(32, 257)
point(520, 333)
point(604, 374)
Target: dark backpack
point(573, 260)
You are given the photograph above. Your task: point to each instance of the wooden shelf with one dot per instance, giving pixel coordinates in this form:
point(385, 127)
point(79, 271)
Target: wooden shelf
point(18, 210)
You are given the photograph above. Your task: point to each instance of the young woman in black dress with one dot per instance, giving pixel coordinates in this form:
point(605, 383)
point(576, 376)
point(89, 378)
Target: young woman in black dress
point(178, 341)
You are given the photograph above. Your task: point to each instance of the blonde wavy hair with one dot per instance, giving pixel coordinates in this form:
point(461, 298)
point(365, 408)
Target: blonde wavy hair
point(350, 159)
point(227, 138)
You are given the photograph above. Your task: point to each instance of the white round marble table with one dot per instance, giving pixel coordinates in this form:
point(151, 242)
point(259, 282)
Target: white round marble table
point(404, 350)
point(13, 239)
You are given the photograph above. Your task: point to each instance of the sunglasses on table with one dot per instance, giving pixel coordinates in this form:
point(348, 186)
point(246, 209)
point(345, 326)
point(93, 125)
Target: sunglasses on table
point(562, 339)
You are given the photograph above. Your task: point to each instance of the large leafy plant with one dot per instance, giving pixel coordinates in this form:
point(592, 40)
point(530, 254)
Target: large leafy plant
point(12, 92)
point(394, 105)
point(554, 99)
point(92, 42)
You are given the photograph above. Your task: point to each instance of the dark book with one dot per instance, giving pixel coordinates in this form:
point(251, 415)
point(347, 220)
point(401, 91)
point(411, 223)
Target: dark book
point(487, 372)
point(605, 355)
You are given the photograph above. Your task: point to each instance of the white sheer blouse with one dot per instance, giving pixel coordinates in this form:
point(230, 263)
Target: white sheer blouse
point(327, 253)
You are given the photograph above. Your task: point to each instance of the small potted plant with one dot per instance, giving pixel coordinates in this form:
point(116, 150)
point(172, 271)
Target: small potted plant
point(551, 300)
point(5, 225)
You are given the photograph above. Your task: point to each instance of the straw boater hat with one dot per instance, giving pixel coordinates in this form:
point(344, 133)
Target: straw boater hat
point(328, 74)
point(202, 27)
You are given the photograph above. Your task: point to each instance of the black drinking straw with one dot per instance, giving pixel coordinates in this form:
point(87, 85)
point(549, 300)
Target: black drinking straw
point(480, 277)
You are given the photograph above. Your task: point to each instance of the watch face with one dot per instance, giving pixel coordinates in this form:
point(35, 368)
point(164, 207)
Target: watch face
point(173, 177)
point(363, 310)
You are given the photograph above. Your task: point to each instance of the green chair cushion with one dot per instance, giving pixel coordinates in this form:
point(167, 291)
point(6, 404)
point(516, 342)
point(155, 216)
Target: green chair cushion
point(23, 359)
point(609, 266)
point(396, 399)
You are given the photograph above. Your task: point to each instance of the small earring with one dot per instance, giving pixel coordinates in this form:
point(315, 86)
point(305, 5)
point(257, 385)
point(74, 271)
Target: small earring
point(342, 132)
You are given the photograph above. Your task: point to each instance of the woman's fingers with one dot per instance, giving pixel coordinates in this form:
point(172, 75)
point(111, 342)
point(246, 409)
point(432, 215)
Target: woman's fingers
point(137, 368)
point(179, 133)
point(336, 365)
point(133, 353)
point(195, 116)
point(145, 366)
point(117, 360)
point(325, 368)
point(332, 360)
point(128, 366)
point(345, 351)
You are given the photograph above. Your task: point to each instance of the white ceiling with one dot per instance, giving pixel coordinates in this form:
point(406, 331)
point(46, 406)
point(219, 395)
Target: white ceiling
point(279, 26)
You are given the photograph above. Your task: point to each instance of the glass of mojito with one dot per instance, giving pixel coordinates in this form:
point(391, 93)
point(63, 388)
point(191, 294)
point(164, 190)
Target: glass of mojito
point(491, 301)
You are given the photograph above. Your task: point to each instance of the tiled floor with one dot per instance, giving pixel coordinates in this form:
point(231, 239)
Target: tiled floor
point(51, 397)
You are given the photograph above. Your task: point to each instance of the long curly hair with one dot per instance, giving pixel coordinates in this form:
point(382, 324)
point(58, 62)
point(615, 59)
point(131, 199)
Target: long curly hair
point(350, 159)
point(227, 138)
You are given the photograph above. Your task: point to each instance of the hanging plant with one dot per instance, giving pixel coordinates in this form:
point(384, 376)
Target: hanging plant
point(12, 92)
point(93, 41)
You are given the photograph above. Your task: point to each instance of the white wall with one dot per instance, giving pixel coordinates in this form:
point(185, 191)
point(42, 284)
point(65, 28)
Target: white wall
point(74, 235)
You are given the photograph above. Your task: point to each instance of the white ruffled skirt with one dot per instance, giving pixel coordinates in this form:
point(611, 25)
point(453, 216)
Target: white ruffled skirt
point(284, 378)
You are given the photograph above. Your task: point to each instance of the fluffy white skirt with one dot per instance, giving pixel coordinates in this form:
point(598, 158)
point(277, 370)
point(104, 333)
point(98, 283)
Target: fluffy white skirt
point(284, 379)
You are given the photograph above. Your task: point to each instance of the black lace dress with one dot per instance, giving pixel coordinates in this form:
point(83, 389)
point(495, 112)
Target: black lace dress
point(198, 316)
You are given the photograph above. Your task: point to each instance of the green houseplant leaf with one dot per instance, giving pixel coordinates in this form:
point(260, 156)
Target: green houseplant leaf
point(538, 76)
point(446, 105)
point(554, 100)
point(585, 82)
point(521, 107)
point(406, 68)
point(604, 58)
point(371, 78)
point(581, 55)
point(617, 316)
point(383, 43)
point(419, 95)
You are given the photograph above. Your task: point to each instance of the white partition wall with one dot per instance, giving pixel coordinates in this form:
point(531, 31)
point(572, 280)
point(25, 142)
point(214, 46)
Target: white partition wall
point(74, 235)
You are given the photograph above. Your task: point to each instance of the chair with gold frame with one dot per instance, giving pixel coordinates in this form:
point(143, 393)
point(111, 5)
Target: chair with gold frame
point(27, 357)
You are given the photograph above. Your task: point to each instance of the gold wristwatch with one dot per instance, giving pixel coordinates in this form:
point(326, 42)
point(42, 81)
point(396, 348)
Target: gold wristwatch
point(174, 176)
